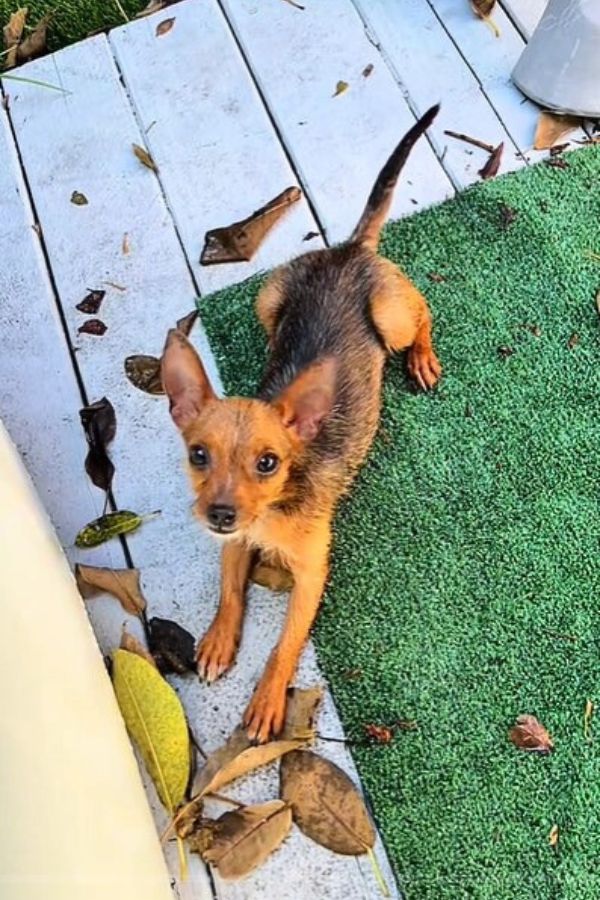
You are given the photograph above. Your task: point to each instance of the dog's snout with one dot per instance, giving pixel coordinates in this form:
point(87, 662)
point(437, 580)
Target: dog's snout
point(221, 516)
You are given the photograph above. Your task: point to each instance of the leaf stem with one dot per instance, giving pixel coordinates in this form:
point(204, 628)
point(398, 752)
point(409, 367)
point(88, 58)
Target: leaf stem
point(378, 873)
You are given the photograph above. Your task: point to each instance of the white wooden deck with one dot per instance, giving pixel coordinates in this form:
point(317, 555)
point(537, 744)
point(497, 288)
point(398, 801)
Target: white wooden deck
point(235, 103)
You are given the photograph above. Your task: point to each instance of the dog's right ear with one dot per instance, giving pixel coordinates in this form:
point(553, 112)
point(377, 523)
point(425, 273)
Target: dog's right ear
point(184, 379)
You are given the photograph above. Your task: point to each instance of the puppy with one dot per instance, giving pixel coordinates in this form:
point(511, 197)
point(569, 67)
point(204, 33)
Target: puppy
point(269, 472)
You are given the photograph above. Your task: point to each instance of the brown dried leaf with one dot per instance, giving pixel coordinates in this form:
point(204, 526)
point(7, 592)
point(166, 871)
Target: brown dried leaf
point(235, 758)
point(243, 838)
point(92, 326)
point(91, 302)
point(529, 734)
point(553, 836)
point(99, 423)
point(551, 128)
point(240, 241)
point(301, 714)
point(13, 32)
point(130, 642)
point(186, 324)
point(144, 373)
point(573, 340)
point(164, 27)
point(125, 245)
point(35, 43)
point(325, 803)
point(381, 734)
point(189, 819)
point(144, 157)
point(367, 70)
point(556, 162)
point(340, 88)
point(124, 584)
point(493, 164)
point(79, 199)
point(483, 9)
point(435, 276)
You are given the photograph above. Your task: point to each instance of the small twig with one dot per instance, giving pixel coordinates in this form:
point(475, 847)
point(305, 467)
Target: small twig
point(470, 140)
point(214, 796)
point(121, 10)
point(334, 740)
point(44, 84)
point(294, 4)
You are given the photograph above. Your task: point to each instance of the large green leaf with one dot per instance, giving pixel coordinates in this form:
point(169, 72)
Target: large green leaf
point(156, 721)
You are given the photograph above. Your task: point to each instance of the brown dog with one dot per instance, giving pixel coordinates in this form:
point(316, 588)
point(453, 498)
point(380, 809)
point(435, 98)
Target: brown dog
point(268, 472)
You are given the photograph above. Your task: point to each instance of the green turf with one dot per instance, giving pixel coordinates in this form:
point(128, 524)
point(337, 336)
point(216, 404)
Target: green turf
point(465, 583)
point(73, 20)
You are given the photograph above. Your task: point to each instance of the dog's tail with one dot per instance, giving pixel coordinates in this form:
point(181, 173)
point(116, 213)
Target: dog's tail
point(380, 198)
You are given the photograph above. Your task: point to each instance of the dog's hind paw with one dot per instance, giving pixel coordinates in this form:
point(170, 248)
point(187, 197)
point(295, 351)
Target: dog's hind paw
point(423, 366)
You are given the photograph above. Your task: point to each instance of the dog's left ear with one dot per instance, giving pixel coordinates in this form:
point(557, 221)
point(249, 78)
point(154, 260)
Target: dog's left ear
point(184, 379)
point(308, 400)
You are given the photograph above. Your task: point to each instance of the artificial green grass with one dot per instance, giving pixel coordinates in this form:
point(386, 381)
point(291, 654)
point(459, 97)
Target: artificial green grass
point(465, 584)
point(73, 20)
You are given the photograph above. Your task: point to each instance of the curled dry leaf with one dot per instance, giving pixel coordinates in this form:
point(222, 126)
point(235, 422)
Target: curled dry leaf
point(483, 9)
point(156, 721)
point(240, 840)
point(186, 323)
point(301, 714)
point(35, 42)
point(340, 88)
point(367, 70)
point(529, 734)
point(325, 803)
point(235, 758)
point(144, 373)
point(126, 245)
point(490, 169)
point(553, 836)
point(79, 199)
point(92, 326)
point(144, 157)
point(164, 27)
point(130, 643)
point(109, 526)
point(551, 128)
point(240, 241)
point(124, 584)
point(573, 341)
point(13, 32)
point(100, 425)
point(381, 734)
point(172, 647)
point(91, 302)
point(189, 818)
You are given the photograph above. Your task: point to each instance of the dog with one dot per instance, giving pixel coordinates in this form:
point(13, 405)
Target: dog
point(268, 472)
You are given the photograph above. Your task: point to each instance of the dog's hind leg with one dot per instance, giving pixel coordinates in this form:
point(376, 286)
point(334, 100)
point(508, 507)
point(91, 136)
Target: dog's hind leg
point(403, 321)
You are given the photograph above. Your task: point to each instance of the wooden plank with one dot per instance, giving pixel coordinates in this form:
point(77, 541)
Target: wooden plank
point(91, 153)
point(465, 108)
point(525, 14)
point(207, 130)
point(338, 143)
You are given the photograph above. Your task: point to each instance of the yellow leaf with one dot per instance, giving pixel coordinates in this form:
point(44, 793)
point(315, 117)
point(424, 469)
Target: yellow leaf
point(156, 722)
point(340, 87)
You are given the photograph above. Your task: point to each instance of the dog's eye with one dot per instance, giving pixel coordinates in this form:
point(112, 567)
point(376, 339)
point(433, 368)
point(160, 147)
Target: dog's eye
point(267, 464)
point(198, 457)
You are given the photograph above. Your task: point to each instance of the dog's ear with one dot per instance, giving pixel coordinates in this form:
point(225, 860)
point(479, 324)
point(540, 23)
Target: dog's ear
point(184, 379)
point(308, 400)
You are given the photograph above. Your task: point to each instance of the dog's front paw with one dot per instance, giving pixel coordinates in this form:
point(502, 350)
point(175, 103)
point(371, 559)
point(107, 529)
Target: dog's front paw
point(423, 366)
point(217, 650)
point(265, 714)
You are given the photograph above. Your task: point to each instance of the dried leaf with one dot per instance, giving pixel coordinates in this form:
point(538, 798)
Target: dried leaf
point(172, 646)
point(556, 162)
point(367, 70)
point(190, 819)
point(91, 303)
point(381, 734)
point(156, 721)
point(483, 9)
point(124, 584)
point(435, 276)
point(240, 241)
point(186, 324)
point(130, 643)
point(275, 578)
point(110, 526)
point(301, 714)
point(493, 164)
point(125, 245)
point(587, 719)
point(553, 836)
point(92, 326)
point(144, 373)
point(13, 32)
point(35, 42)
point(310, 235)
point(573, 340)
point(325, 803)
point(242, 839)
point(164, 27)
point(79, 199)
point(504, 352)
point(340, 88)
point(145, 158)
point(235, 758)
point(152, 7)
point(529, 734)
point(551, 128)
point(100, 425)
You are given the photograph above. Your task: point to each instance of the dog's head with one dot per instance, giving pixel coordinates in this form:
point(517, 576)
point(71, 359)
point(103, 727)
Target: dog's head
point(241, 451)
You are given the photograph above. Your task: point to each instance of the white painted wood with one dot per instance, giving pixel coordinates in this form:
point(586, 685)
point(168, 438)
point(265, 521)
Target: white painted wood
point(431, 65)
point(525, 14)
point(493, 59)
point(338, 144)
point(207, 129)
point(91, 153)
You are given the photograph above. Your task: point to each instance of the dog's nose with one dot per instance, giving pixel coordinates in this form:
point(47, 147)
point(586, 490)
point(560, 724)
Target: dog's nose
point(221, 516)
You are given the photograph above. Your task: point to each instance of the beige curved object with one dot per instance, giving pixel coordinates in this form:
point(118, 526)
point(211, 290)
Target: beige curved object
point(560, 66)
point(74, 820)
